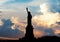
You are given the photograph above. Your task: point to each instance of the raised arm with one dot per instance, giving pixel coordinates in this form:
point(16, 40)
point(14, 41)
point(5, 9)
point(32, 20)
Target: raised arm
point(27, 10)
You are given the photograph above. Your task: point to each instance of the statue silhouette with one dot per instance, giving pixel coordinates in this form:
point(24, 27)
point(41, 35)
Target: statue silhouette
point(29, 29)
point(29, 36)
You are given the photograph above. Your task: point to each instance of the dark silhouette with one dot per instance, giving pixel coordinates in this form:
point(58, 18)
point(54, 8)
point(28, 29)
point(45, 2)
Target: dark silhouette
point(29, 29)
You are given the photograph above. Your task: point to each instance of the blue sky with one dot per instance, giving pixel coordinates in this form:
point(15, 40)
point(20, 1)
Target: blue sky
point(33, 5)
point(18, 6)
point(23, 1)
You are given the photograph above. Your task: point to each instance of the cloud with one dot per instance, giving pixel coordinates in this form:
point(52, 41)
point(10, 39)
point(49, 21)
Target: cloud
point(44, 8)
point(7, 31)
point(30, 4)
point(46, 21)
point(47, 18)
point(45, 32)
point(38, 33)
point(11, 8)
point(8, 13)
point(54, 5)
point(18, 24)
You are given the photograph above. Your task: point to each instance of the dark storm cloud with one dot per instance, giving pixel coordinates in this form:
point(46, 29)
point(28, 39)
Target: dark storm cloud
point(6, 31)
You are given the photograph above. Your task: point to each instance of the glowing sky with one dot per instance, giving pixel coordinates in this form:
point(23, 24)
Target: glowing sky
point(45, 15)
point(47, 18)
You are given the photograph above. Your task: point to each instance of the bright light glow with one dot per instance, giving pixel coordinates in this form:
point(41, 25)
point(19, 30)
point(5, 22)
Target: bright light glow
point(47, 18)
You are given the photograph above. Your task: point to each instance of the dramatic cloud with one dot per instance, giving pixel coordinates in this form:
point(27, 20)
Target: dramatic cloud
point(47, 18)
point(12, 6)
point(18, 24)
point(7, 29)
point(46, 21)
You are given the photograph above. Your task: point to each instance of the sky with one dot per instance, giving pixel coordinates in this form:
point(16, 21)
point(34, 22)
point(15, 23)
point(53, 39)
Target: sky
point(46, 17)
